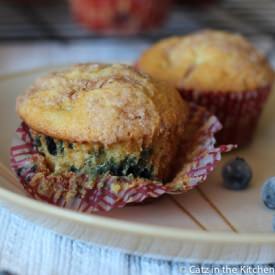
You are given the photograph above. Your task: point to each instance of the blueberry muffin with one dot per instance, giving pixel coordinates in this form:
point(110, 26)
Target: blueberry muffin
point(94, 120)
point(219, 70)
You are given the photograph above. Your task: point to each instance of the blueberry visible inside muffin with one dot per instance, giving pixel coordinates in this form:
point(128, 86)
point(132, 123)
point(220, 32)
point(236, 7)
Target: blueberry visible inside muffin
point(95, 161)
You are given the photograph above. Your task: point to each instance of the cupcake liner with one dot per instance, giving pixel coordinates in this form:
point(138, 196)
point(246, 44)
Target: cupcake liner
point(197, 157)
point(238, 112)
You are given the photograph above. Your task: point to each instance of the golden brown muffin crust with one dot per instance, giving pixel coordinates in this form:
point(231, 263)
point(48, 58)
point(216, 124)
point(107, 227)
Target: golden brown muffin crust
point(102, 103)
point(208, 61)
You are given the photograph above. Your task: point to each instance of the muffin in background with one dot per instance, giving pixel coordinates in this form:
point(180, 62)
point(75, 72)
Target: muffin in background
point(219, 70)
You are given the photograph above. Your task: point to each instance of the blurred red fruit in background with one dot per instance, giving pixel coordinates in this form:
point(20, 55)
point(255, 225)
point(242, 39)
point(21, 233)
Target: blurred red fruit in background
point(120, 16)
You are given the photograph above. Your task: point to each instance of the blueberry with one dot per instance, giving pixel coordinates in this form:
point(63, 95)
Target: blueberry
point(20, 171)
point(70, 145)
point(37, 141)
point(236, 174)
point(73, 169)
point(273, 223)
point(268, 193)
point(52, 149)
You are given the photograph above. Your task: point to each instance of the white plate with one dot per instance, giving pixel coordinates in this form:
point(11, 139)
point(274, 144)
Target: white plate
point(206, 224)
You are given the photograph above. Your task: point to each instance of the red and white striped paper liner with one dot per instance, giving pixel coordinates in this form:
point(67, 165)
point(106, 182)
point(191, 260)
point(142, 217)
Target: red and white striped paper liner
point(238, 112)
point(199, 150)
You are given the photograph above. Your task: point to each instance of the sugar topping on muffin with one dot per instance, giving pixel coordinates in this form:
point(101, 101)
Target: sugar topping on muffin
point(208, 61)
point(101, 103)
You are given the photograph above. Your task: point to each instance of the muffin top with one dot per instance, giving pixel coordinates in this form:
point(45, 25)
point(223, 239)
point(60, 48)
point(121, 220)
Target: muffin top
point(101, 103)
point(208, 61)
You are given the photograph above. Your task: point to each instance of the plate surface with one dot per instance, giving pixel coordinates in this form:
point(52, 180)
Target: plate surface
point(209, 223)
